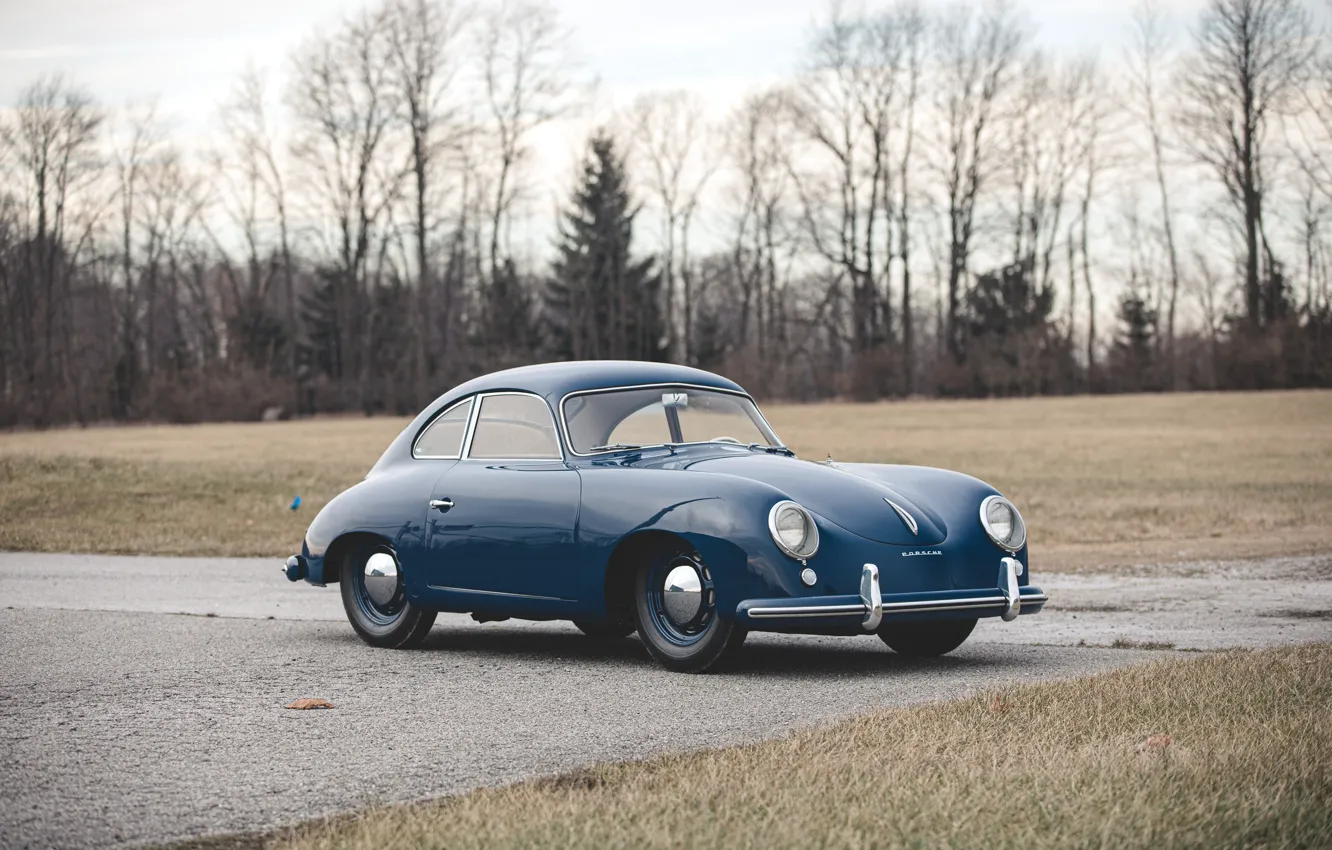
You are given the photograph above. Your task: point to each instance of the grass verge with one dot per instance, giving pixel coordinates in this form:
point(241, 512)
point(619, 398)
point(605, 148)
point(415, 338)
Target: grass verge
point(1226, 750)
point(1102, 481)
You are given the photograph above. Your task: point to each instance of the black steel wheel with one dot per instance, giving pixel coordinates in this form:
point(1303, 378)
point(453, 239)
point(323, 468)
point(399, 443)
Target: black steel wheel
point(927, 639)
point(676, 609)
point(376, 602)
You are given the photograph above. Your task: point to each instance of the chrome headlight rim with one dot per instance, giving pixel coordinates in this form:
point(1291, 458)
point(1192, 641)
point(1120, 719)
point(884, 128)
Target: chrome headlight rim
point(810, 547)
point(989, 530)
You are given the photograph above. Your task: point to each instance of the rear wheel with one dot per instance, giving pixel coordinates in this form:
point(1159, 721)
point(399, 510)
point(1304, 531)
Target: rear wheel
point(676, 608)
point(926, 640)
point(606, 629)
point(376, 603)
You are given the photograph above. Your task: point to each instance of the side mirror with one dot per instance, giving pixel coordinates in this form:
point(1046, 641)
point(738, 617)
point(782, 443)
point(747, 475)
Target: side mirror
point(676, 400)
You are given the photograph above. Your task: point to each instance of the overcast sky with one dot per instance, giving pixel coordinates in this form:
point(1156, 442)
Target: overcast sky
point(189, 52)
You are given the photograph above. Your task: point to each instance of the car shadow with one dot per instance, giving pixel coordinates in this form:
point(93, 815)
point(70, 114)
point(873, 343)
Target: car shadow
point(787, 657)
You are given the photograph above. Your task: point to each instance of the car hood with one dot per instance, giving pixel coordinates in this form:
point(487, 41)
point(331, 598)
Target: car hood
point(858, 504)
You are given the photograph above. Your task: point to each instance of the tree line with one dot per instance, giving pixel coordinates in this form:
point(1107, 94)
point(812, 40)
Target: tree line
point(929, 204)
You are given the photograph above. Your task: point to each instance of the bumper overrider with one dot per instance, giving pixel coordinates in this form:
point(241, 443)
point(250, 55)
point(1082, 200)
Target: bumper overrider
point(1006, 600)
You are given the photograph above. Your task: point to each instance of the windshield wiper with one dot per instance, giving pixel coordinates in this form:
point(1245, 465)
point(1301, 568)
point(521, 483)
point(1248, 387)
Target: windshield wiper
point(614, 446)
point(772, 450)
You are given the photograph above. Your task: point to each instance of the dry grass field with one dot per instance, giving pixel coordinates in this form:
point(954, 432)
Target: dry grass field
point(1102, 481)
point(1225, 750)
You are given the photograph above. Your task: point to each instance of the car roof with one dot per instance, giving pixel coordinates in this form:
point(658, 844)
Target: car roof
point(556, 380)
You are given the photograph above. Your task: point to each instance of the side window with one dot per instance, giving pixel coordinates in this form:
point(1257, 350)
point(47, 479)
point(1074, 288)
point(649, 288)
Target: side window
point(444, 437)
point(514, 426)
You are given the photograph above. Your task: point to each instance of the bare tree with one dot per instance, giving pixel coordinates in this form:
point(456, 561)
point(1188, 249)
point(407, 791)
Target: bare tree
point(1092, 164)
point(1315, 121)
point(1057, 109)
point(525, 64)
point(424, 38)
point(1148, 58)
point(914, 30)
point(142, 135)
point(848, 109)
point(673, 139)
point(1249, 60)
point(975, 55)
point(255, 174)
point(345, 101)
point(758, 152)
point(51, 140)
point(172, 198)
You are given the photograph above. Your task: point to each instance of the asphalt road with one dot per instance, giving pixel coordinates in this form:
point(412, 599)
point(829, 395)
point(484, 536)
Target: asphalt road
point(141, 698)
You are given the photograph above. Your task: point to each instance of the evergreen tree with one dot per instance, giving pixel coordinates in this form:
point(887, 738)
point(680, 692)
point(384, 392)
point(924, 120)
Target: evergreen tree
point(600, 302)
point(1012, 346)
point(1133, 362)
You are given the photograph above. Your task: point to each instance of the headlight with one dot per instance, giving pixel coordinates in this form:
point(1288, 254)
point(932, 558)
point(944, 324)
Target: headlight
point(1003, 523)
point(794, 530)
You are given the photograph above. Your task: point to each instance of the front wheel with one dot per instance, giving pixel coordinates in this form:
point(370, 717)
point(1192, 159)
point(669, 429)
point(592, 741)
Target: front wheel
point(676, 609)
point(376, 601)
point(928, 639)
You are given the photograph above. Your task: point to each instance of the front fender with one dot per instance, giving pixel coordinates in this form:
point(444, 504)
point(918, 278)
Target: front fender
point(727, 525)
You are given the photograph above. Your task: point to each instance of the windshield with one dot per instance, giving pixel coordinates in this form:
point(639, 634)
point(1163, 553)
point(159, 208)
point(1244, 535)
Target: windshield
point(653, 416)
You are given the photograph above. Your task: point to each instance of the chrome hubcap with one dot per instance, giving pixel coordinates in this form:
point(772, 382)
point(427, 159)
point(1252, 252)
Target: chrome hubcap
point(381, 578)
point(682, 595)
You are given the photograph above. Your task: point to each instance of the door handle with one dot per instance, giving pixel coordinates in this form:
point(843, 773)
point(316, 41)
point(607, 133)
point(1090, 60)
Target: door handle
point(441, 504)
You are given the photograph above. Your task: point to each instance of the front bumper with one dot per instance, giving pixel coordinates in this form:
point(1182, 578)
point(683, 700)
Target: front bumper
point(870, 607)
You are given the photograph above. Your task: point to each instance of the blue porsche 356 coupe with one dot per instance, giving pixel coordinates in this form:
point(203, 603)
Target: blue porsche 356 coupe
point(646, 497)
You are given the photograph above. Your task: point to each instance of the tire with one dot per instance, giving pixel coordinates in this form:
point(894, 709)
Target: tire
point(692, 644)
point(928, 639)
point(384, 617)
point(606, 629)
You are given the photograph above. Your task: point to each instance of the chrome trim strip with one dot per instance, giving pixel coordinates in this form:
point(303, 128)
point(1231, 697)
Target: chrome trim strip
point(906, 517)
point(808, 611)
point(498, 593)
point(476, 416)
point(920, 605)
point(568, 440)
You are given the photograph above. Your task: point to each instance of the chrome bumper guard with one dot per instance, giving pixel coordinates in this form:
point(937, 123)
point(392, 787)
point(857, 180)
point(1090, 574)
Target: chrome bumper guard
point(872, 608)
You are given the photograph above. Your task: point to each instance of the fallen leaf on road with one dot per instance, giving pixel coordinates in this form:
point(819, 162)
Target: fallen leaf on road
point(305, 704)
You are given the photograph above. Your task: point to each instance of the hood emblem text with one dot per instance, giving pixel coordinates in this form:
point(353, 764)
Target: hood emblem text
point(915, 552)
point(906, 517)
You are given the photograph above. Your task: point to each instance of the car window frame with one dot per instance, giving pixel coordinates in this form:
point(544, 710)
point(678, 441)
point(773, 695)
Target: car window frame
point(467, 429)
point(475, 420)
point(568, 438)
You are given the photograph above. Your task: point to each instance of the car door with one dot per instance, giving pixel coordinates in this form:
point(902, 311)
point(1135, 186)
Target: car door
point(502, 522)
point(436, 450)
